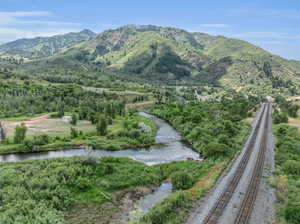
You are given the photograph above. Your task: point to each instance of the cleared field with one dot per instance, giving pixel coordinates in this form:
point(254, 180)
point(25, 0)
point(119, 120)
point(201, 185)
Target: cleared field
point(52, 127)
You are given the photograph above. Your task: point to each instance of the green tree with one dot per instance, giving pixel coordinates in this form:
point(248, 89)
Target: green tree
point(2, 132)
point(216, 150)
point(74, 119)
point(74, 133)
point(293, 110)
point(102, 126)
point(280, 118)
point(20, 133)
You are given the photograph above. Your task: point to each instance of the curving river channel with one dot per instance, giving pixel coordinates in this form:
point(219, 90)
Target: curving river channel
point(168, 148)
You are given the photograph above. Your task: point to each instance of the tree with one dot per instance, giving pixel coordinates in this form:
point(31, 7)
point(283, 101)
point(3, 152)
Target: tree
point(61, 110)
point(74, 119)
point(102, 126)
point(216, 150)
point(2, 132)
point(280, 118)
point(293, 110)
point(74, 133)
point(20, 133)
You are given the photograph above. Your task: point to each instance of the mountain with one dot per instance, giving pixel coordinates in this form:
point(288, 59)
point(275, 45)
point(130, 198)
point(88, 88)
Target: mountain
point(170, 55)
point(165, 55)
point(44, 46)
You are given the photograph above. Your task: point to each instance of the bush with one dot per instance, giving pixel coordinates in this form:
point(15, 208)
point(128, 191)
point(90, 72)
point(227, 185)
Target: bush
point(108, 169)
point(167, 210)
point(292, 213)
point(20, 133)
point(280, 118)
point(215, 150)
point(41, 139)
point(292, 167)
point(74, 133)
point(90, 158)
point(181, 180)
point(74, 119)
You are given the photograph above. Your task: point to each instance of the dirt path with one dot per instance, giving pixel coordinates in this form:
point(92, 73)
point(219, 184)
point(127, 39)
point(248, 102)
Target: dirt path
point(34, 120)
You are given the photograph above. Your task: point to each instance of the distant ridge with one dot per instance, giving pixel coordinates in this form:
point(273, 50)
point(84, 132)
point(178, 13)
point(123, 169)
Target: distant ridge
point(44, 46)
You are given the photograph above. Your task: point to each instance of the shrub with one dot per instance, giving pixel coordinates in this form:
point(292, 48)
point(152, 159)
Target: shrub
point(280, 118)
point(292, 167)
point(74, 119)
point(292, 213)
point(108, 169)
point(90, 158)
point(181, 180)
point(20, 133)
point(102, 126)
point(41, 139)
point(74, 133)
point(167, 210)
point(214, 150)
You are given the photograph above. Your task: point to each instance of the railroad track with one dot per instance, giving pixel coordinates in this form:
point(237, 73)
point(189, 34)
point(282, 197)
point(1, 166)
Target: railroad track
point(246, 209)
point(217, 210)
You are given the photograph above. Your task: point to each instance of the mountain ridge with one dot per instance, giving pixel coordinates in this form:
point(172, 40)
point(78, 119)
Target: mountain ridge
point(44, 46)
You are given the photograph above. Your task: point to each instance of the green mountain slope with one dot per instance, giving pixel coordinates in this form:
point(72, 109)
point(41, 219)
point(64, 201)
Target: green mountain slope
point(173, 56)
point(43, 46)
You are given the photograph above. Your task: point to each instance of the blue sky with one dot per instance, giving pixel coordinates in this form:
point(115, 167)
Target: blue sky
point(272, 25)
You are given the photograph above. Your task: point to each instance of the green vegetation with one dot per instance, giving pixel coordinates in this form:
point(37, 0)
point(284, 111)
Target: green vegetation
point(284, 110)
point(96, 118)
point(20, 134)
point(287, 173)
point(43, 191)
point(175, 208)
point(213, 128)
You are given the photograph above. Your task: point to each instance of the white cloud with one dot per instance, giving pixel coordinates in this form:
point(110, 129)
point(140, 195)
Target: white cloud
point(265, 13)
point(274, 35)
point(48, 23)
point(215, 25)
point(20, 24)
point(20, 18)
point(25, 13)
point(10, 34)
